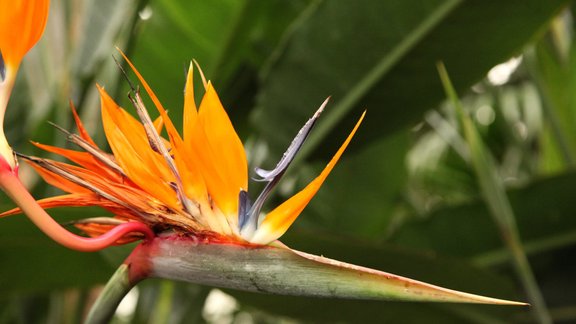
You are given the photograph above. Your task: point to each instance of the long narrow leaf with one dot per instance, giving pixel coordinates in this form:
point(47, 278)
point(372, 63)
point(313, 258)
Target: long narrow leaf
point(492, 189)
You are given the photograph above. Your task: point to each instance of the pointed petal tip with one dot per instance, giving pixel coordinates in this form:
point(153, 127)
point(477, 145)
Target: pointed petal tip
point(201, 74)
point(119, 50)
point(295, 146)
point(100, 88)
point(281, 218)
point(189, 76)
point(322, 106)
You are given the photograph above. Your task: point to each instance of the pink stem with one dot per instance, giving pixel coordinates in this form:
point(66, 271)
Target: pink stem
point(11, 184)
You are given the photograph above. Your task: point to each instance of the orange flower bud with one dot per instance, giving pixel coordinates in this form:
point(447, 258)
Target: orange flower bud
point(22, 23)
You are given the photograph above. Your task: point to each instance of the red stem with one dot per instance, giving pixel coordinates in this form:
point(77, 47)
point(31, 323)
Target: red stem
point(11, 184)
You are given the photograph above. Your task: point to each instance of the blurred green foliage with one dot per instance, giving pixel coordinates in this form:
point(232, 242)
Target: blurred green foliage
point(404, 198)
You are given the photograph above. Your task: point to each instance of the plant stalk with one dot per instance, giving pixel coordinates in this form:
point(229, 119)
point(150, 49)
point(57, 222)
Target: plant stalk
point(116, 288)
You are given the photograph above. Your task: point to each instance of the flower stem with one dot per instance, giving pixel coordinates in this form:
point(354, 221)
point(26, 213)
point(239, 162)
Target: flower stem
point(134, 269)
point(11, 184)
point(111, 296)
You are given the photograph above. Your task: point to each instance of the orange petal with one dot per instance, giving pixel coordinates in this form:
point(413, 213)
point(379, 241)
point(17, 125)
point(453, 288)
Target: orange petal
point(190, 109)
point(159, 124)
point(123, 195)
point(83, 159)
point(81, 130)
point(187, 166)
point(70, 200)
point(149, 91)
point(58, 181)
point(219, 151)
point(22, 23)
point(131, 148)
point(172, 132)
point(279, 220)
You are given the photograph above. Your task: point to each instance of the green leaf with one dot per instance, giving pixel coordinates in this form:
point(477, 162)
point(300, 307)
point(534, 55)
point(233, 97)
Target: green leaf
point(544, 211)
point(381, 56)
point(230, 40)
point(554, 71)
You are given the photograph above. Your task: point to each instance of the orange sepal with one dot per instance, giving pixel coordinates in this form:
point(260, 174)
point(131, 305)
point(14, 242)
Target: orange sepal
point(190, 110)
point(279, 220)
point(222, 153)
point(128, 141)
point(69, 200)
point(80, 126)
point(187, 166)
point(158, 124)
point(83, 159)
point(57, 181)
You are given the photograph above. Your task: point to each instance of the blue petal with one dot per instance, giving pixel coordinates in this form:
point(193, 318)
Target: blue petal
point(288, 156)
point(273, 176)
point(2, 68)
point(244, 206)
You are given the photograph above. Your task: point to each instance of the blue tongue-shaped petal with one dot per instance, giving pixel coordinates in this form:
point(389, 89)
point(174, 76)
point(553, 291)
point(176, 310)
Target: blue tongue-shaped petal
point(249, 221)
point(2, 68)
point(288, 156)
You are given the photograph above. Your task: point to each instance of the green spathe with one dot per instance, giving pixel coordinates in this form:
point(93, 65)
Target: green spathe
point(276, 269)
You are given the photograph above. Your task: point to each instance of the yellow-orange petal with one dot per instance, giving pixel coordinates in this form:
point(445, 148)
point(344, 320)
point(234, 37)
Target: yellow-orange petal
point(80, 126)
point(187, 166)
point(190, 110)
point(279, 220)
point(122, 197)
point(228, 158)
point(145, 84)
point(158, 124)
point(58, 181)
point(140, 163)
point(83, 159)
point(22, 23)
point(69, 200)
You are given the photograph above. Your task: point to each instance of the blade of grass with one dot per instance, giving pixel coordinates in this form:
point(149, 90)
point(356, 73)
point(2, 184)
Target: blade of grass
point(494, 194)
point(533, 247)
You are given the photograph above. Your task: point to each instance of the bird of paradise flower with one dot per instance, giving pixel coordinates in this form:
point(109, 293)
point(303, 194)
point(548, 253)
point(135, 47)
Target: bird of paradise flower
point(186, 196)
point(196, 184)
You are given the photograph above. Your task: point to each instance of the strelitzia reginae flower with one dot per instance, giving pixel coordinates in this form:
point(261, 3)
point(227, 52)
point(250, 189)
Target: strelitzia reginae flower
point(186, 196)
point(192, 192)
point(195, 184)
